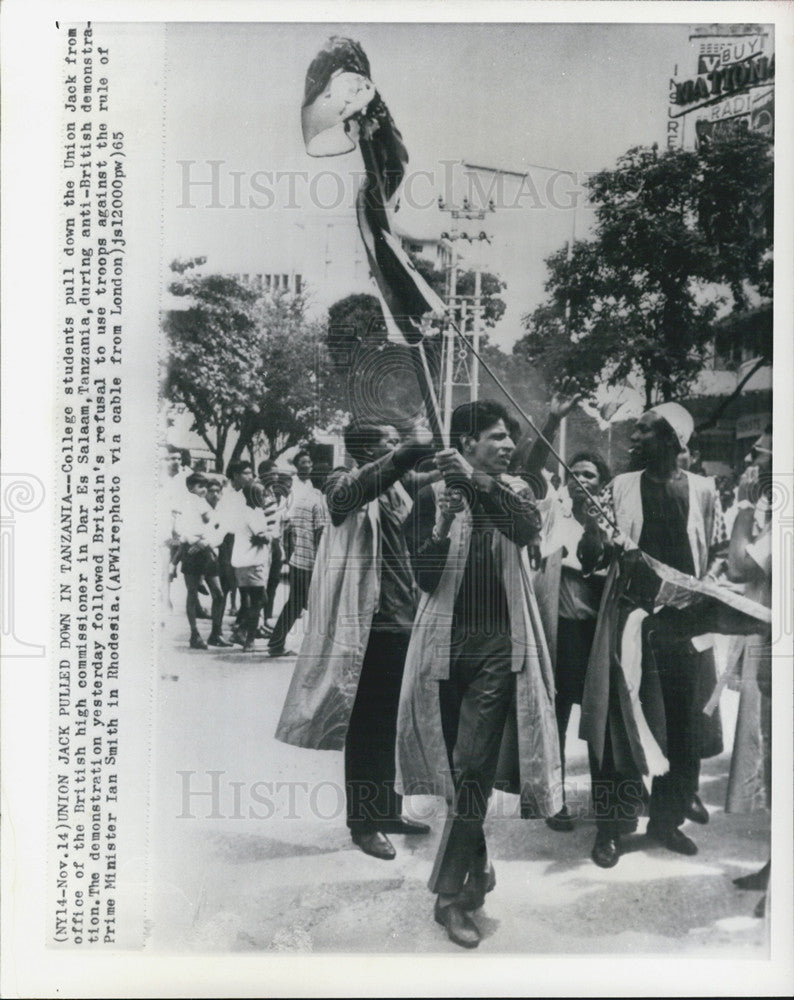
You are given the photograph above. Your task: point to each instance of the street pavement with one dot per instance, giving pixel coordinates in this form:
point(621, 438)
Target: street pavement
point(251, 853)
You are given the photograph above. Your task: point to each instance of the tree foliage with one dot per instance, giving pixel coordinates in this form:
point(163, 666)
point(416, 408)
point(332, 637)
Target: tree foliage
point(678, 235)
point(245, 364)
point(378, 375)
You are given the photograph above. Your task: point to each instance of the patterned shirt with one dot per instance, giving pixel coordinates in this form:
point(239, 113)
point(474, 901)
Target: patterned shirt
point(306, 516)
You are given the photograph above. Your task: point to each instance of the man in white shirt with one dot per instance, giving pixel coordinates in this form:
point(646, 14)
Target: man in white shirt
point(199, 533)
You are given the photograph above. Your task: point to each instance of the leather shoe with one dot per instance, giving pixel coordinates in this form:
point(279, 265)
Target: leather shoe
point(696, 811)
point(606, 850)
point(461, 929)
point(218, 640)
point(757, 880)
point(375, 844)
point(406, 826)
point(472, 895)
point(673, 839)
point(562, 821)
point(196, 642)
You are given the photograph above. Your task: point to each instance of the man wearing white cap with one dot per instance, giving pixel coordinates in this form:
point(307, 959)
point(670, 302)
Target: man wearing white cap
point(633, 721)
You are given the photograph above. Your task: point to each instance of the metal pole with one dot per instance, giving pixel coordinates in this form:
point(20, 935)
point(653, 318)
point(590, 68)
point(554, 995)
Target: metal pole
point(475, 363)
point(449, 334)
point(564, 421)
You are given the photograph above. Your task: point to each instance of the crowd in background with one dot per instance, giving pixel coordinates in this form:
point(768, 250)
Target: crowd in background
point(233, 538)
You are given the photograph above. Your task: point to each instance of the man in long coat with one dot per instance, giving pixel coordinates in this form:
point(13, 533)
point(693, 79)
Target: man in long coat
point(346, 686)
point(645, 686)
point(477, 651)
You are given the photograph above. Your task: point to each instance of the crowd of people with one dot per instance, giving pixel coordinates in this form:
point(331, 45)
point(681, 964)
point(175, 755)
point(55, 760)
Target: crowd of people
point(232, 536)
point(460, 604)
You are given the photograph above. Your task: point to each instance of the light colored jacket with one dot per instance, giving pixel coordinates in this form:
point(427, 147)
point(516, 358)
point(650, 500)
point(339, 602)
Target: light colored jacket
point(343, 597)
point(530, 755)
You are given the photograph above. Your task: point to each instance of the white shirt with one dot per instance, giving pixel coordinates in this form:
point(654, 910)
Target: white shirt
point(251, 521)
point(195, 521)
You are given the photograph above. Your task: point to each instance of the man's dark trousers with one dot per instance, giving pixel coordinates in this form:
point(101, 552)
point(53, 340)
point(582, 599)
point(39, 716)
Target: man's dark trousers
point(372, 733)
point(474, 703)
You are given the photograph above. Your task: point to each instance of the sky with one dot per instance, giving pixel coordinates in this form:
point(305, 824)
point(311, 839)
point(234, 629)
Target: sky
point(572, 97)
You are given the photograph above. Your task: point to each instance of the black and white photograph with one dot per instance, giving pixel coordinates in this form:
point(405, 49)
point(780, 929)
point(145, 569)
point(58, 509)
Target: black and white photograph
point(414, 522)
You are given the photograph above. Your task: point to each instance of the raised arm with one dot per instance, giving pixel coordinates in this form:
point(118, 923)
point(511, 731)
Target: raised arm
point(511, 511)
point(531, 452)
point(347, 491)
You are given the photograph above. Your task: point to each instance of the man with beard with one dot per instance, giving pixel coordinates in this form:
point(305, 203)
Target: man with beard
point(675, 517)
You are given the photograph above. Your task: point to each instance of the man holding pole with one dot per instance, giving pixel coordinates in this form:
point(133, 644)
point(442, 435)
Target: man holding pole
point(346, 686)
point(477, 649)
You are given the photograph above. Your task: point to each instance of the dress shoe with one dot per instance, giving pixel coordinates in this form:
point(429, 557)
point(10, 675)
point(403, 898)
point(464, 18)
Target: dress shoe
point(196, 642)
point(696, 811)
point(218, 640)
point(461, 929)
point(757, 880)
point(472, 895)
point(606, 849)
point(248, 646)
point(562, 821)
point(375, 844)
point(406, 826)
point(673, 839)
point(236, 636)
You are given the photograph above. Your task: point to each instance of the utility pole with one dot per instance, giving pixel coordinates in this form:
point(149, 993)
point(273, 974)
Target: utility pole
point(462, 371)
point(498, 171)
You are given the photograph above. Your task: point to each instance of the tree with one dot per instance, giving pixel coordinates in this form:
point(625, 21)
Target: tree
point(379, 376)
point(210, 347)
point(242, 362)
point(642, 295)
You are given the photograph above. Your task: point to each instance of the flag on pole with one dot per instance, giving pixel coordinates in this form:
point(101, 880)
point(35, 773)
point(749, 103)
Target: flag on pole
point(342, 107)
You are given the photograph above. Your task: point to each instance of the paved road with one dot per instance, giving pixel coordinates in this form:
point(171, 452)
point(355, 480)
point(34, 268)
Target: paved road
point(252, 853)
